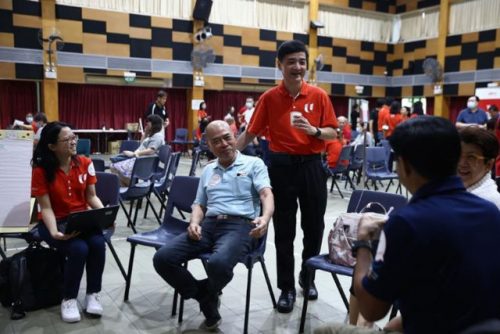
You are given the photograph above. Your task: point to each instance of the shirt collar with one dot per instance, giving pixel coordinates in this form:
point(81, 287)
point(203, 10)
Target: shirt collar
point(237, 162)
point(479, 183)
point(446, 185)
point(304, 89)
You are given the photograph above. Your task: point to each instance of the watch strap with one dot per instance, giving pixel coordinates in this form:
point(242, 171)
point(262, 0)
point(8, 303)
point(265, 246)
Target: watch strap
point(360, 244)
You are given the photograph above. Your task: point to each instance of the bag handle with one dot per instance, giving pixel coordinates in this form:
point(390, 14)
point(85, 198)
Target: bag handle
point(371, 204)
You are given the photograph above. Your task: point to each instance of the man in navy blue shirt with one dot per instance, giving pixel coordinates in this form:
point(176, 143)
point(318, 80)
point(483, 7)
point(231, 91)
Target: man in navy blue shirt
point(472, 115)
point(435, 255)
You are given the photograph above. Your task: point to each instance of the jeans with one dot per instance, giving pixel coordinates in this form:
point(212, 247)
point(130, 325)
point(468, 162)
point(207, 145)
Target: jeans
point(80, 252)
point(228, 240)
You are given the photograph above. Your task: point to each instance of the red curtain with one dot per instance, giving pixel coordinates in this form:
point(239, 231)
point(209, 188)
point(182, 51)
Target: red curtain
point(94, 106)
point(340, 105)
point(17, 98)
point(218, 102)
point(457, 103)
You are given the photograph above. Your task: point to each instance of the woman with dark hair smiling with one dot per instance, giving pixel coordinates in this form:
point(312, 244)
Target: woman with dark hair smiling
point(63, 183)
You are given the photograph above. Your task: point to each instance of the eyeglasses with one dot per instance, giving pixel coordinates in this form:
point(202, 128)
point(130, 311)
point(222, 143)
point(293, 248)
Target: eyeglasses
point(69, 139)
point(472, 158)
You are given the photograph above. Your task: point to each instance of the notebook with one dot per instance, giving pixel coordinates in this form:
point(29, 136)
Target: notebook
point(91, 220)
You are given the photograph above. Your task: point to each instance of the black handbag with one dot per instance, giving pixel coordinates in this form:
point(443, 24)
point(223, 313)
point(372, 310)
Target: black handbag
point(31, 279)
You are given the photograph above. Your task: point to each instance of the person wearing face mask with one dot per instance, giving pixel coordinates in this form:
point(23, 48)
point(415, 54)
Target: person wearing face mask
point(360, 140)
point(246, 112)
point(472, 115)
point(29, 125)
point(40, 120)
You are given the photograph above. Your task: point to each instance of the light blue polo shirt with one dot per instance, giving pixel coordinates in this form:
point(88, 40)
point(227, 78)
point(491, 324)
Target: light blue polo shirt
point(233, 190)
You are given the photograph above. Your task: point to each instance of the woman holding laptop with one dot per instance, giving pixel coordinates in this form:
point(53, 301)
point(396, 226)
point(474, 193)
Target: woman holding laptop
point(63, 183)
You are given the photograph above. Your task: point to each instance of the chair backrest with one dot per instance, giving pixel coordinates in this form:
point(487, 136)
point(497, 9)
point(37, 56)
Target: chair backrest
point(83, 146)
point(129, 145)
point(203, 143)
point(172, 165)
point(181, 134)
point(164, 153)
point(182, 195)
point(357, 159)
point(107, 188)
point(387, 147)
point(345, 155)
point(194, 161)
point(144, 169)
point(375, 160)
point(360, 198)
point(99, 164)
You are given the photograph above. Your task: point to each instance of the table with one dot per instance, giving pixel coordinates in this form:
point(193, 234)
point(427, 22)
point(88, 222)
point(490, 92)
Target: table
point(99, 132)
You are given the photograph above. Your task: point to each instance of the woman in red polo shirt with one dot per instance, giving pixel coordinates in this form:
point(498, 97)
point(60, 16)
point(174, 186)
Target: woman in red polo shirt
point(63, 182)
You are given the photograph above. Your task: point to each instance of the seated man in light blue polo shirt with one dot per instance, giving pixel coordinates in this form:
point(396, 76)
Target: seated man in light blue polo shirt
point(226, 218)
point(472, 115)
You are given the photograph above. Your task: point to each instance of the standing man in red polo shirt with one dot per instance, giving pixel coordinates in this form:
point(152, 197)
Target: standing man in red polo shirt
point(299, 118)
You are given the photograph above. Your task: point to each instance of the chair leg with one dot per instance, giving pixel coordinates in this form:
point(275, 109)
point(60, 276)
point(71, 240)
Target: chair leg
point(117, 259)
point(309, 275)
point(333, 180)
point(129, 220)
point(268, 281)
point(247, 302)
point(148, 202)
point(2, 254)
point(146, 209)
point(341, 291)
point(338, 188)
point(129, 274)
point(181, 301)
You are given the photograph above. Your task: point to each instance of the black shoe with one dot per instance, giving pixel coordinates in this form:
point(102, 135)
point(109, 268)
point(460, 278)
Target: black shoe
point(286, 301)
point(312, 293)
point(210, 308)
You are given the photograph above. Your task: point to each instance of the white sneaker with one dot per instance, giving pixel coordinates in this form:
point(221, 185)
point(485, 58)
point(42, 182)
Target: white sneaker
point(69, 310)
point(93, 302)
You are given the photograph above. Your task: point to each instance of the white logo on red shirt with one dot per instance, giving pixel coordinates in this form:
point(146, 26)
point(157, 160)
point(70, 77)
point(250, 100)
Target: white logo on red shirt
point(308, 107)
point(82, 178)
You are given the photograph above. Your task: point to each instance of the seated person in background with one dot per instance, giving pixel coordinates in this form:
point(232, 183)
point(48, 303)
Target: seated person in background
point(345, 127)
point(62, 183)
point(41, 120)
point(432, 248)
point(479, 151)
point(150, 143)
point(333, 148)
point(360, 138)
point(29, 125)
point(226, 217)
point(232, 124)
point(493, 111)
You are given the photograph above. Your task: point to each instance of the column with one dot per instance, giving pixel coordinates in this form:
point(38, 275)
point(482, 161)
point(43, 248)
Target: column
point(441, 103)
point(50, 94)
point(313, 39)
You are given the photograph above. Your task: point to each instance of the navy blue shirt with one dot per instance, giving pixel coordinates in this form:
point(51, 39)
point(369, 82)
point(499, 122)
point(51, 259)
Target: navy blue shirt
point(440, 257)
point(469, 117)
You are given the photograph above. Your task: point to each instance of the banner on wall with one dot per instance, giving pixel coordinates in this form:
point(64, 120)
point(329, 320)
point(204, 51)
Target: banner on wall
point(488, 96)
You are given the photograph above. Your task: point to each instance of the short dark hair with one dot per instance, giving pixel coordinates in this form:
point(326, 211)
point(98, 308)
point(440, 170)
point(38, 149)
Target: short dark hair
point(431, 145)
point(395, 108)
point(477, 98)
point(156, 123)
point(418, 108)
point(493, 107)
point(40, 117)
point(292, 46)
point(380, 102)
point(161, 93)
point(483, 139)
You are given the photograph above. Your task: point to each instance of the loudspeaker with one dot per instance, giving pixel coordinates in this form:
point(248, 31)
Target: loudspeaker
point(202, 10)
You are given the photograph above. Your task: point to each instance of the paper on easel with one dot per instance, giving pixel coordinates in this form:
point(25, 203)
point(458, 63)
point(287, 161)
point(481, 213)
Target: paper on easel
point(16, 151)
point(141, 129)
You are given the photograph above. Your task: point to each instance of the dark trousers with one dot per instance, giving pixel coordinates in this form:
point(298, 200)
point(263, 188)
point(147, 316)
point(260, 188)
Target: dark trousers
point(81, 252)
point(304, 184)
point(228, 240)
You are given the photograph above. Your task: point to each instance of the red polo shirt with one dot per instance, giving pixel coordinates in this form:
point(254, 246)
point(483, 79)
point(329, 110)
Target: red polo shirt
point(273, 112)
point(66, 192)
point(383, 114)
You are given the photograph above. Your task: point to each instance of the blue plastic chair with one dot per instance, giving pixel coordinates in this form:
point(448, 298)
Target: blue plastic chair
point(194, 161)
point(99, 165)
point(181, 138)
point(182, 195)
point(83, 147)
point(108, 190)
point(359, 199)
point(341, 168)
point(161, 187)
point(141, 185)
point(254, 256)
point(356, 163)
point(376, 168)
point(129, 145)
point(164, 154)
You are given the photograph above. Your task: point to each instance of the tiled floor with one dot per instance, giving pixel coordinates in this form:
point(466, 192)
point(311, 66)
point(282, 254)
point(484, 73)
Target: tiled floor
point(149, 307)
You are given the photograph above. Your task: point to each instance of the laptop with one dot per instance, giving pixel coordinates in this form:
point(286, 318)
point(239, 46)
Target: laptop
point(91, 220)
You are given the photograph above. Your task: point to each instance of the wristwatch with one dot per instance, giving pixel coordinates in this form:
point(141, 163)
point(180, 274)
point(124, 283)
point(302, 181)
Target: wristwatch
point(360, 244)
point(318, 133)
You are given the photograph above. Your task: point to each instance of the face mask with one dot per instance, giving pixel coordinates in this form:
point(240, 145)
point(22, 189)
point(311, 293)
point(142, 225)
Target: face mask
point(359, 129)
point(249, 105)
point(29, 119)
point(471, 104)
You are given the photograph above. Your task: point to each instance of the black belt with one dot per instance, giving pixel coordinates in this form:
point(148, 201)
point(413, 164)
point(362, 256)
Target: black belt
point(228, 217)
point(285, 159)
